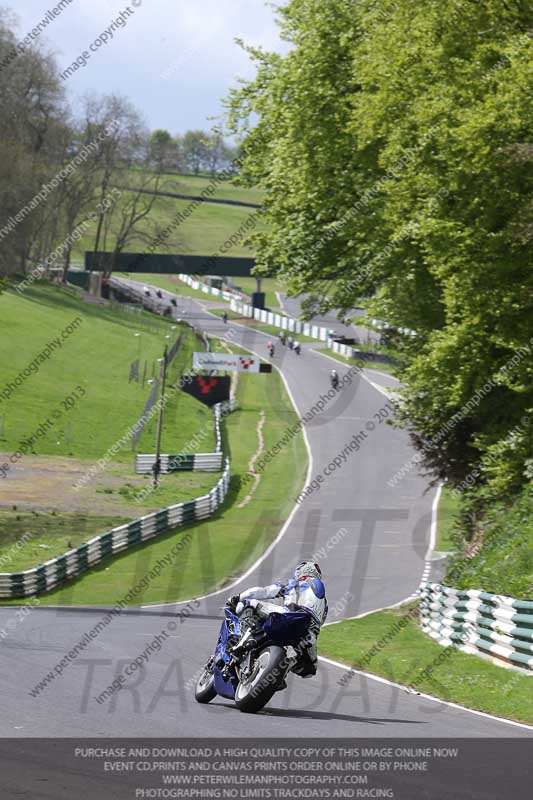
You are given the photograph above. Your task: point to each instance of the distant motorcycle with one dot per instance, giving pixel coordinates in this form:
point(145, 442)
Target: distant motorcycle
point(271, 351)
point(297, 348)
point(253, 672)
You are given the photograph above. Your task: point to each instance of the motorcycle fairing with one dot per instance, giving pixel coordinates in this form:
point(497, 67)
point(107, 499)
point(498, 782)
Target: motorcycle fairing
point(223, 687)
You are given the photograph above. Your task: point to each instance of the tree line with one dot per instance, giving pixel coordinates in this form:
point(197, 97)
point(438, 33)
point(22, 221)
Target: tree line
point(394, 142)
point(194, 152)
point(64, 175)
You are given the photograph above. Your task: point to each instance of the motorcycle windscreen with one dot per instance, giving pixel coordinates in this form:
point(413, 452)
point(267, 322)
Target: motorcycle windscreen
point(289, 628)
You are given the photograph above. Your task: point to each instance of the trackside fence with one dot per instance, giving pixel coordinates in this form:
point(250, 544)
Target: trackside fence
point(479, 623)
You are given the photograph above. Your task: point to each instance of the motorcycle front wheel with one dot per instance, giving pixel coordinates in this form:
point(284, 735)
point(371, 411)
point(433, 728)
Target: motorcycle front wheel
point(205, 686)
point(258, 689)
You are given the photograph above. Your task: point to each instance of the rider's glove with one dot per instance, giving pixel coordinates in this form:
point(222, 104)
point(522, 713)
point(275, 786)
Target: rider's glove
point(232, 601)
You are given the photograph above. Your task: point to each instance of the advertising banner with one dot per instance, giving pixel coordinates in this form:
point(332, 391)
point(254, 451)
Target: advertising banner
point(225, 362)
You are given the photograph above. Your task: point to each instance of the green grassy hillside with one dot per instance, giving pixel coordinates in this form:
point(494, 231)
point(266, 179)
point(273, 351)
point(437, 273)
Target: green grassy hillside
point(83, 387)
point(66, 406)
point(203, 232)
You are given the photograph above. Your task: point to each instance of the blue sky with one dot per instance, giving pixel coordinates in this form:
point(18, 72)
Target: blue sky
point(174, 59)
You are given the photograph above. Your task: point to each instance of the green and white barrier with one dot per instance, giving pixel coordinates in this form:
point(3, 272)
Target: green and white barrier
point(479, 622)
point(47, 576)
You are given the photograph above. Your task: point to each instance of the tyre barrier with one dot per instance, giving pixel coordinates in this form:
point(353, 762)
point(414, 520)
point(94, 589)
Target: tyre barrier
point(58, 570)
point(479, 623)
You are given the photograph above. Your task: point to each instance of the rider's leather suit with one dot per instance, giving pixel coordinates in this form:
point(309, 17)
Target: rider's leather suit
point(307, 594)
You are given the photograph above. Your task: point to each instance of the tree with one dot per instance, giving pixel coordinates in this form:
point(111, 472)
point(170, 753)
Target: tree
point(134, 206)
point(164, 150)
point(194, 148)
point(33, 103)
point(393, 144)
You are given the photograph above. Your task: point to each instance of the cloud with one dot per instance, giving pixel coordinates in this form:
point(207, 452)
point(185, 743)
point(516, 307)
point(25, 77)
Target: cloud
point(175, 59)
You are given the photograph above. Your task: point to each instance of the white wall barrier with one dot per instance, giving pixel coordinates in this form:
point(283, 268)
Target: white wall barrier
point(288, 324)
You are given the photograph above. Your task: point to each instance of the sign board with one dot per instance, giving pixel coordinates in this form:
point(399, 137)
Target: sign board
point(225, 362)
point(164, 264)
point(207, 389)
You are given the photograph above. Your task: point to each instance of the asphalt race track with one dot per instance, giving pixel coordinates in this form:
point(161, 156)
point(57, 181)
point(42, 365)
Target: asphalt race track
point(378, 561)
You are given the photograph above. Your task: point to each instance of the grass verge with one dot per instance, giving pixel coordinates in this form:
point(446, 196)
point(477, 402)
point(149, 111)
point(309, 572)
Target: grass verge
point(410, 655)
point(504, 565)
point(269, 286)
point(82, 386)
point(448, 516)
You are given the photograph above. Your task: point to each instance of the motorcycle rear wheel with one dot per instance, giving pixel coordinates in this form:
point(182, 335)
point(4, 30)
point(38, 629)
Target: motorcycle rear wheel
point(252, 695)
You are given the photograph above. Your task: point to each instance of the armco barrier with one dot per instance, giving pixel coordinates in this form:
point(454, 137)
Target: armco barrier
point(184, 462)
point(479, 622)
point(58, 570)
point(280, 321)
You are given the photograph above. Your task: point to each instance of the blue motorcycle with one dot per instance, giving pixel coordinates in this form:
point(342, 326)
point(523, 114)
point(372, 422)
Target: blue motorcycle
point(250, 665)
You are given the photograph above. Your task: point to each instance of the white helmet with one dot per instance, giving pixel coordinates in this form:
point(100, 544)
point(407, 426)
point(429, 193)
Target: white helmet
point(307, 569)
